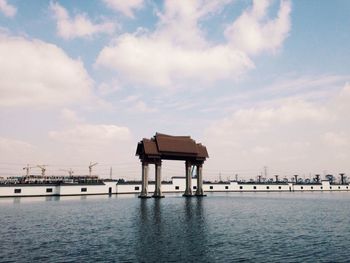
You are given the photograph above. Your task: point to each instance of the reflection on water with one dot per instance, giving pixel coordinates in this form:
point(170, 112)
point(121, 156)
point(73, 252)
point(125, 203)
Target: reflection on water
point(17, 200)
point(227, 227)
point(171, 231)
point(53, 198)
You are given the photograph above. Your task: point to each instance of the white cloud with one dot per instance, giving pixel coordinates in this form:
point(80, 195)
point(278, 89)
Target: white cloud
point(125, 7)
point(300, 83)
point(135, 104)
point(158, 62)
point(7, 9)
point(288, 87)
point(15, 150)
point(79, 26)
point(290, 111)
point(81, 142)
point(70, 116)
point(291, 135)
point(336, 139)
point(172, 57)
point(36, 73)
point(108, 88)
point(277, 120)
point(12, 144)
point(178, 15)
point(252, 32)
point(90, 134)
point(261, 150)
point(141, 106)
point(71, 147)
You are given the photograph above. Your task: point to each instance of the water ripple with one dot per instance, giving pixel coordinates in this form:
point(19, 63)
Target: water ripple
point(227, 227)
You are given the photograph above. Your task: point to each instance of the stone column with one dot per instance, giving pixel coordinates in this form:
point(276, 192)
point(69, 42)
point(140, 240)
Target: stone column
point(199, 191)
point(158, 181)
point(188, 190)
point(144, 186)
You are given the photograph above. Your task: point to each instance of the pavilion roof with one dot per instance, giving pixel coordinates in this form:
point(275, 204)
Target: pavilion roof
point(171, 147)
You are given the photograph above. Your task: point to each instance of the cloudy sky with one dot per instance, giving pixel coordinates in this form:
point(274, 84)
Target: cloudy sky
point(260, 83)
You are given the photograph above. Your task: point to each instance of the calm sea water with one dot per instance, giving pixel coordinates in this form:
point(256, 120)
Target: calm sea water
point(227, 227)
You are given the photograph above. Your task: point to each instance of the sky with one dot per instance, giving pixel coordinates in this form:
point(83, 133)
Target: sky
point(260, 83)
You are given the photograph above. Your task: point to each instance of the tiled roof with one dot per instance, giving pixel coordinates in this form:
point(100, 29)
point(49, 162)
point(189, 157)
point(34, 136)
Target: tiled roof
point(162, 144)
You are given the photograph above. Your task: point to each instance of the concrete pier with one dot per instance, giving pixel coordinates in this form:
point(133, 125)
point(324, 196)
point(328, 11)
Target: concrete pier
point(144, 186)
point(158, 181)
point(188, 189)
point(199, 191)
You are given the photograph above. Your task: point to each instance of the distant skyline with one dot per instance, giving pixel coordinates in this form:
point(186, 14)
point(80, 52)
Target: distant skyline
point(260, 83)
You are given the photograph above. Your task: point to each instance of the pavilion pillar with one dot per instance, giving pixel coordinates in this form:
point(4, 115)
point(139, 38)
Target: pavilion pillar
point(188, 190)
point(199, 191)
point(144, 186)
point(158, 181)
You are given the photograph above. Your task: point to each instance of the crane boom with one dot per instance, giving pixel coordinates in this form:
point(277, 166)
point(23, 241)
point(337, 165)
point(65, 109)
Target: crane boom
point(27, 168)
point(43, 169)
point(90, 167)
point(70, 171)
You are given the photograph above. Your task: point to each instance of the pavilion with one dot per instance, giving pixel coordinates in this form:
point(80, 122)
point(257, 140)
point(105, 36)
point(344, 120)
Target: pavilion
point(167, 147)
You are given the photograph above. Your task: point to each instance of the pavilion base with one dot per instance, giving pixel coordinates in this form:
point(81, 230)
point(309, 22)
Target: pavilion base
point(188, 195)
point(158, 196)
point(144, 196)
point(200, 195)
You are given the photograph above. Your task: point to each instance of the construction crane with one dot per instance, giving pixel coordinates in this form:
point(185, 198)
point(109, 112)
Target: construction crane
point(276, 178)
point(342, 178)
point(90, 167)
point(43, 169)
point(70, 171)
point(27, 168)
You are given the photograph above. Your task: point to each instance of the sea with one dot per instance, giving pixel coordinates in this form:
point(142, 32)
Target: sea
point(221, 227)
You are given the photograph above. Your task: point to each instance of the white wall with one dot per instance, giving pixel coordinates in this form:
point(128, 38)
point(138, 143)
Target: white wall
point(28, 190)
point(76, 189)
point(90, 189)
point(178, 186)
point(57, 190)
